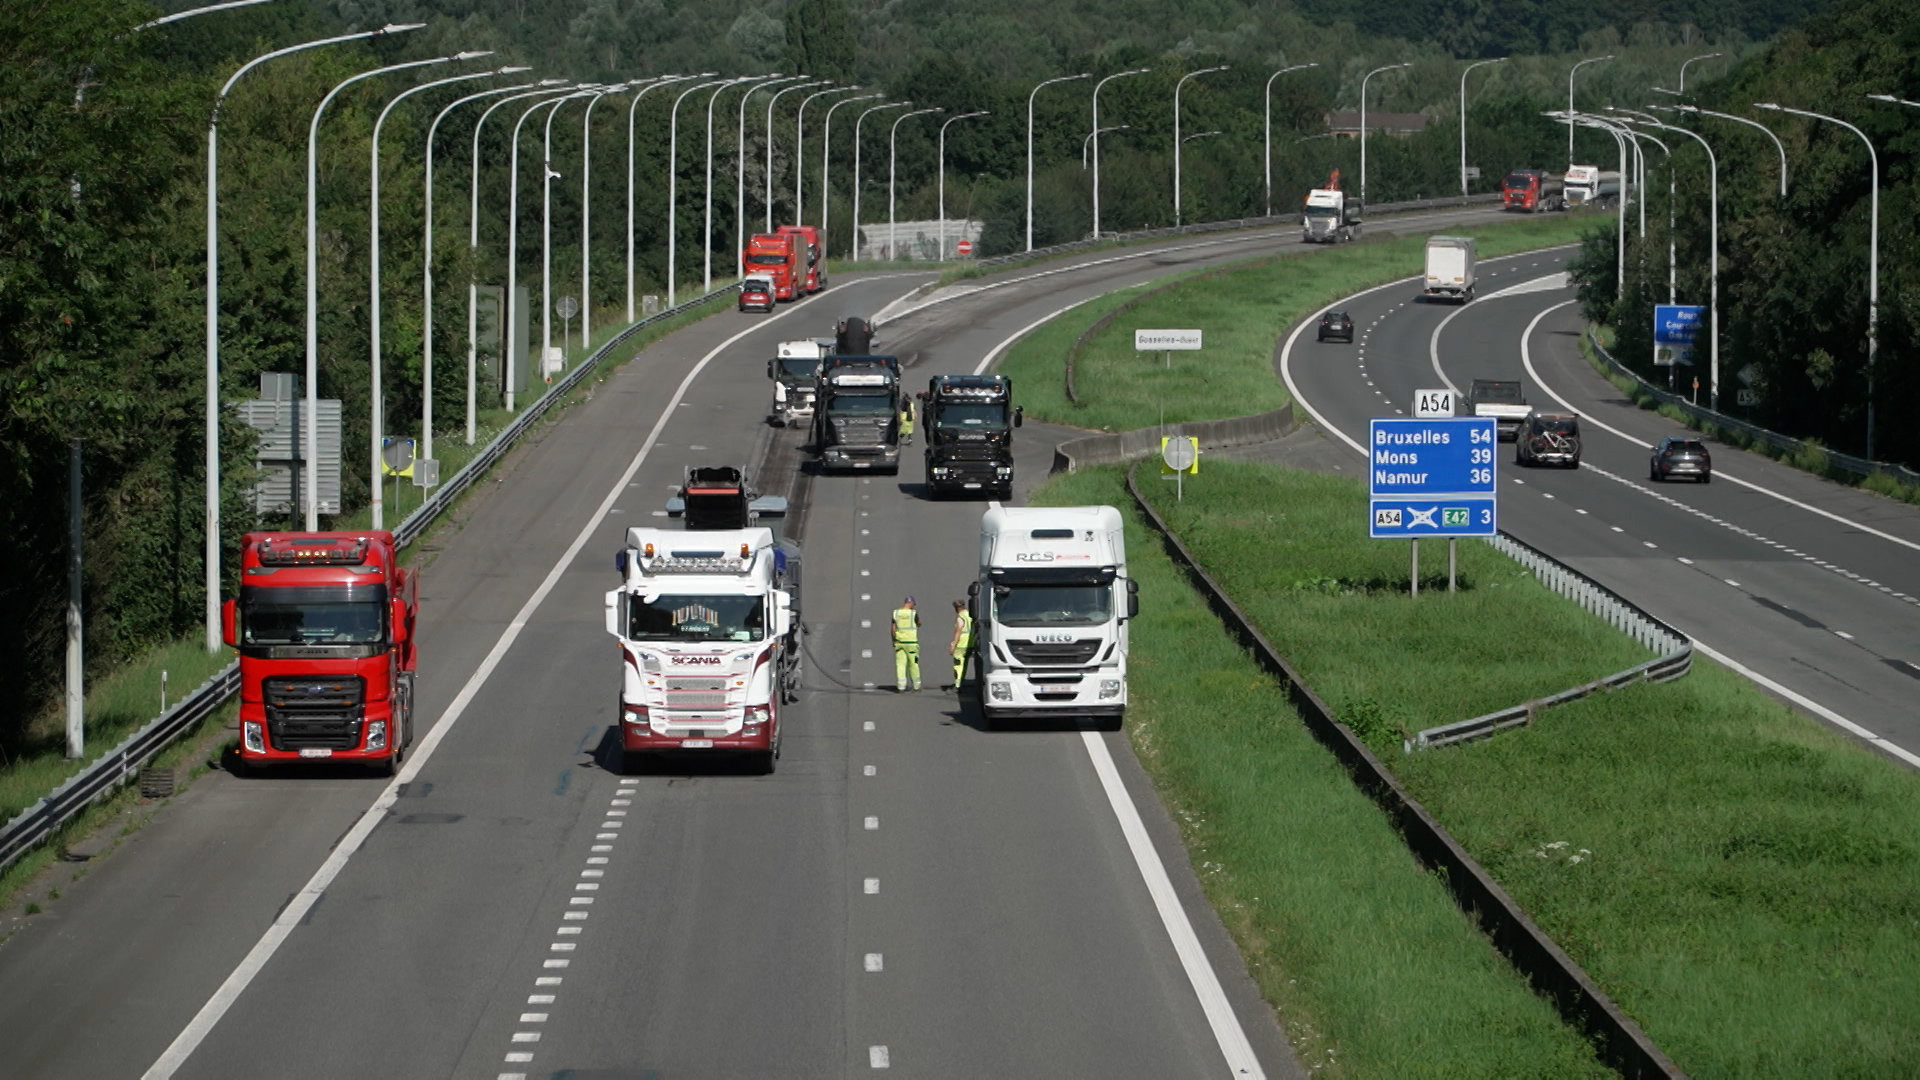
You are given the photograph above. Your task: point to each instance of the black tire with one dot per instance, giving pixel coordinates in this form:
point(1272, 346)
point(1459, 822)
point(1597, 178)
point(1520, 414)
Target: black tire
point(385, 767)
point(1653, 476)
point(761, 762)
point(1706, 478)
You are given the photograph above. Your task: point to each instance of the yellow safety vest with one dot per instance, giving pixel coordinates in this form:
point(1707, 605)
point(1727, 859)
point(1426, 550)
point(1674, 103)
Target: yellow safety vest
point(966, 632)
point(905, 629)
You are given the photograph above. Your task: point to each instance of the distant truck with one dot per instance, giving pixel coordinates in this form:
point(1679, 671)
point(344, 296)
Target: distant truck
point(1503, 400)
point(808, 244)
point(968, 422)
point(1533, 190)
point(776, 256)
point(324, 625)
point(1050, 613)
point(708, 624)
point(856, 414)
point(1330, 216)
point(795, 371)
point(1450, 268)
point(1589, 185)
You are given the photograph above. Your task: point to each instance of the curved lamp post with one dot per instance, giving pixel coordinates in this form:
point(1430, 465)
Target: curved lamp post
point(869, 111)
point(800, 158)
point(1177, 140)
point(740, 169)
point(1094, 137)
point(1030, 96)
point(1713, 273)
point(1363, 127)
point(1777, 144)
point(633, 107)
point(706, 243)
point(893, 239)
point(771, 102)
point(1266, 126)
point(673, 186)
point(1571, 111)
point(826, 161)
point(1463, 119)
point(513, 234)
point(949, 122)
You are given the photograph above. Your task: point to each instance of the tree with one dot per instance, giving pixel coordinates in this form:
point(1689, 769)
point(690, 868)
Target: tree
point(821, 39)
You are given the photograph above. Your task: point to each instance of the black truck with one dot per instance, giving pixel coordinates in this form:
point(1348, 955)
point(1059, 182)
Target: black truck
point(856, 414)
point(969, 422)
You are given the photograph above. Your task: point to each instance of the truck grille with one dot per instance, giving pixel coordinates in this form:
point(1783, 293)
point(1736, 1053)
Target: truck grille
point(1055, 654)
point(314, 713)
point(696, 693)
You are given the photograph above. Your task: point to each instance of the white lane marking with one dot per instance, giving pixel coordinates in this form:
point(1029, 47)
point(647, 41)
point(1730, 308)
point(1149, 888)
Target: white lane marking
point(1810, 705)
point(994, 353)
point(526, 1036)
point(541, 999)
point(1526, 359)
point(1241, 1061)
point(869, 770)
point(872, 823)
point(877, 1057)
point(533, 1018)
point(1684, 560)
point(301, 904)
point(871, 886)
point(1843, 634)
point(873, 962)
point(547, 980)
point(867, 725)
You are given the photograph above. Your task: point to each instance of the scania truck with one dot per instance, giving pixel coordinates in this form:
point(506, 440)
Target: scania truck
point(324, 625)
point(856, 414)
point(795, 372)
point(969, 422)
point(708, 625)
point(1050, 612)
point(774, 255)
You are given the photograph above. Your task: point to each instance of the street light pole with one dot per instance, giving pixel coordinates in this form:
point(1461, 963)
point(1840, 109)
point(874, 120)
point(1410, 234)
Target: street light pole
point(212, 538)
point(1030, 96)
point(1363, 127)
point(870, 110)
point(673, 186)
point(1088, 141)
point(1571, 111)
point(1873, 254)
point(547, 177)
point(1177, 140)
point(509, 302)
point(376, 398)
point(740, 170)
point(893, 238)
point(1463, 119)
point(1777, 144)
point(1713, 274)
point(771, 102)
point(706, 242)
point(800, 160)
point(586, 208)
point(1266, 126)
point(950, 121)
point(1095, 137)
point(1683, 69)
point(633, 107)
point(826, 162)
point(312, 438)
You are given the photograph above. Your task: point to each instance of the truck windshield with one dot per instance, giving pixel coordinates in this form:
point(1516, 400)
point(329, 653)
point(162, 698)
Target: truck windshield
point(766, 260)
point(971, 416)
point(1321, 212)
point(689, 617)
point(1053, 605)
point(798, 367)
point(861, 404)
point(321, 615)
point(1517, 181)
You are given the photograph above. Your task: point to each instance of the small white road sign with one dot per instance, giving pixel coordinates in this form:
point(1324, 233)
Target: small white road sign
point(1432, 403)
point(1166, 340)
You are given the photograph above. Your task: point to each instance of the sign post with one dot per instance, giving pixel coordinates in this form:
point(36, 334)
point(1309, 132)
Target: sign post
point(1179, 457)
point(1166, 342)
point(1675, 329)
point(1431, 476)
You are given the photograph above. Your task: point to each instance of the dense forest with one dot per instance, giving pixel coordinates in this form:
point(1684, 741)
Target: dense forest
point(103, 139)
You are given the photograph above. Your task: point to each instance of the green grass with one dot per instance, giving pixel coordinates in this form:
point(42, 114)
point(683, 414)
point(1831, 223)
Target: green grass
point(1374, 970)
point(1243, 312)
point(1745, 879)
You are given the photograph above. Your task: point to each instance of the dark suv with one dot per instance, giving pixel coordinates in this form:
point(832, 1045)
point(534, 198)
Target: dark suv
point(1336, 324)
point(1548, 439)
point(1677, 456)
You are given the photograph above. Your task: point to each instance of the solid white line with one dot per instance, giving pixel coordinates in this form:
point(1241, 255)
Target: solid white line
point(994, 353)
point(1241, 1061)
point(1527, 359)
point(256, 959)
point(1810, 705)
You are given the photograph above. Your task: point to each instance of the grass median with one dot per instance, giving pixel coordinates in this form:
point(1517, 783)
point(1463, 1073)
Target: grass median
point(1242, 310)
point(1374, 970)
point(1738, 878)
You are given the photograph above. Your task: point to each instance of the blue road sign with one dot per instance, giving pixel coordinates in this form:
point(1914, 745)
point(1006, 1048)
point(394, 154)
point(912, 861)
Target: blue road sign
point(1675, 329)
point(1433, 456)
point(1447, 515)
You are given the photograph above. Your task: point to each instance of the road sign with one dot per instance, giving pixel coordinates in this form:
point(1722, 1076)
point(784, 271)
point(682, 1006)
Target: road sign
point(964, 247)
point(1166, 340)
point(396, 456)
point(566, 307)
point(1748, 397)
point(1451, 516)
point(1180, 454)
point(1675, 327)
point(426, 473)
point(1424, 458)
point(1428, 404)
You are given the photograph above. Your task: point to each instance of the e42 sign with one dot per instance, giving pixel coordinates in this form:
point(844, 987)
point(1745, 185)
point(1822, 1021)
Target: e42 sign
point(1431, 476)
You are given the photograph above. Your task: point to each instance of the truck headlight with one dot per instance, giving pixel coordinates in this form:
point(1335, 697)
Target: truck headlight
point(376, 734)
point(1109, 689)
point(635, 715)
point(1000, 691)
point(757, 715)
point(254, 738)
point(1005, 471)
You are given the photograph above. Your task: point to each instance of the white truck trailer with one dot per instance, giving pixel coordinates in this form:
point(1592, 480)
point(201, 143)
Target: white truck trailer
point(1050, 614)
point(1450, 268)
point(1590, 185)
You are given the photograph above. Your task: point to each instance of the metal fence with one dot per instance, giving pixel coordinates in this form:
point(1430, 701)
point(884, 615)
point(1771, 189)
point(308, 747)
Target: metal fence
point(1675, 649)
point(123, 763)
point(1782, 444)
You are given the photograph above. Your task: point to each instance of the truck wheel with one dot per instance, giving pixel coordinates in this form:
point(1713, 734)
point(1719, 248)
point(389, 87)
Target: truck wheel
point(387, 766)
point(1110, 723)
point(761, 762)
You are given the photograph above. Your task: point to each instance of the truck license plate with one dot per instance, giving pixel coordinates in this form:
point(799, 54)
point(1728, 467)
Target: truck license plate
point(971, 484)
point(322, 752)
point(696, 744)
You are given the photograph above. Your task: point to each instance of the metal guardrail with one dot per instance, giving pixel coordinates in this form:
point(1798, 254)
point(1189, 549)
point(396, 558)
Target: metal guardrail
point(1674, 647)
point(1230, 225)
point(1616, 1038)
point(122, 764)
point(1784, 444)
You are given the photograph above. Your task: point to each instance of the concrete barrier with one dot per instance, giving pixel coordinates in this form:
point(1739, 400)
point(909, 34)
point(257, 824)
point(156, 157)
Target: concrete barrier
point(1120, 446)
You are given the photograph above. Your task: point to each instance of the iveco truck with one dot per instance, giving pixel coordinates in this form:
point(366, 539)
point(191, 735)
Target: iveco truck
point(969, 422)
point(1050, 613)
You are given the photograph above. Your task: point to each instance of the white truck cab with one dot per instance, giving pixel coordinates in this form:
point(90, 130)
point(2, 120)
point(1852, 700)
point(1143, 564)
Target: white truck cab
point(1050, 614)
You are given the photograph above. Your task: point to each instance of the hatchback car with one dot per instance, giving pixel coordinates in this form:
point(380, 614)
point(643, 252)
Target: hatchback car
point(1336, 324)
point(756, 294)
point(1681, 457)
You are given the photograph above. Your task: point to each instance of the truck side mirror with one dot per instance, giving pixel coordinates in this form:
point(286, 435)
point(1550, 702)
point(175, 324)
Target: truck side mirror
point(770, 366)
point(613, 612)
point(397, 615)
point(229, 623)
point(783, 615)
point(620, 562)
point(1133, 599)
point(1019, 413)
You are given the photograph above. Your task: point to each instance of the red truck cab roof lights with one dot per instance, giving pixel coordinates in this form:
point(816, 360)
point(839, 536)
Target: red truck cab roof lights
point(312, 551)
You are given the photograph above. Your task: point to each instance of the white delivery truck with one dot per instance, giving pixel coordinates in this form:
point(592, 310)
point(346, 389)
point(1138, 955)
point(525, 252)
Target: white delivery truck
point(1050, 614)
point(1450, 268)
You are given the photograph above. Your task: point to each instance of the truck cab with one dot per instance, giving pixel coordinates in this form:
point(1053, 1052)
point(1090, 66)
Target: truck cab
point(969, 422)
point(795, 371)
point(1533, 190)
point(773, 255)
point(856, 416)
point(707, 619)
point(1330, 217)
point(1050, 613)
point(324, 626)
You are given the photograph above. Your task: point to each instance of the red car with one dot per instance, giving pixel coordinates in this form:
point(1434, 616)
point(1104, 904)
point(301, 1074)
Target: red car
point(756, 294)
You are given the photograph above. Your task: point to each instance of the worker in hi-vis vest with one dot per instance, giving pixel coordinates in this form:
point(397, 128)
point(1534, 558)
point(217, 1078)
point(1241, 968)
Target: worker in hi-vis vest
point(906, 421)
point(906, 646)
point(962, 640)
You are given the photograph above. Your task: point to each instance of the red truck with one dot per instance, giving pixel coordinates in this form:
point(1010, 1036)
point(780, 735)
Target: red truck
point(808, 240)
point(777, 255)
point(1533, 190)
point(324, 625)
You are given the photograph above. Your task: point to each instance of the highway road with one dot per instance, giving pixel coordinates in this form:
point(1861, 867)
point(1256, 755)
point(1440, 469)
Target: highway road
point(1810, 587)
point(907, 891)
